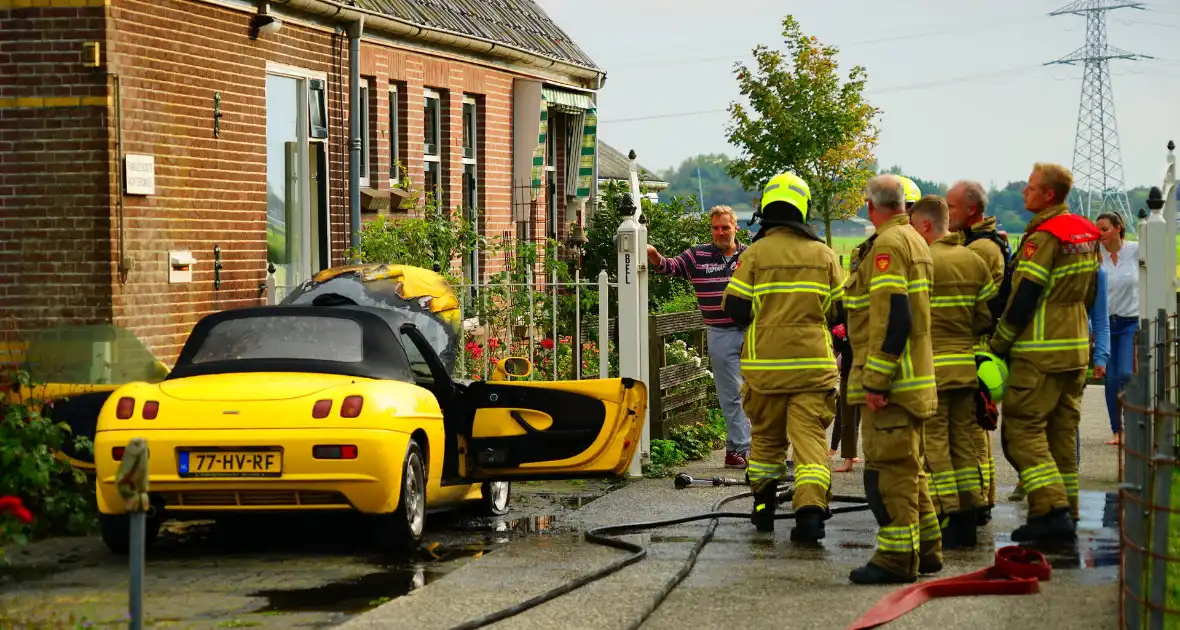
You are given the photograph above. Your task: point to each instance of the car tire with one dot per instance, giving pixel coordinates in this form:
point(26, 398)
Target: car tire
point(401, 530)
point(116, 532)
point(495, 499)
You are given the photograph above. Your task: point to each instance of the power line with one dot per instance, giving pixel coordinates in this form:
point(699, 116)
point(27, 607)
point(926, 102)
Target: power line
point(957, 29)
point(900, 88)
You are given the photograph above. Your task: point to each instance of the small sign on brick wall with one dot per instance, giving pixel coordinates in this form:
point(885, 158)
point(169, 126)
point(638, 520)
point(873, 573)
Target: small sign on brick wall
point(140, 174)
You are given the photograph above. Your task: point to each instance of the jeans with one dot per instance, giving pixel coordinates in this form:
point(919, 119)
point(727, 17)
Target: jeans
point(1118, 367)
point(725, 354)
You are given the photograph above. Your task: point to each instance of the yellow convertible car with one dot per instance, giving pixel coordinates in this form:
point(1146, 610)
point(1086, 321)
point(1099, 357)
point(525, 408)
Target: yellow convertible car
point(350, 408)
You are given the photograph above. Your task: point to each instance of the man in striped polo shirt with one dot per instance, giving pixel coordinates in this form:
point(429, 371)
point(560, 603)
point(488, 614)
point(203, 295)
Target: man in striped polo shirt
point(709, 267)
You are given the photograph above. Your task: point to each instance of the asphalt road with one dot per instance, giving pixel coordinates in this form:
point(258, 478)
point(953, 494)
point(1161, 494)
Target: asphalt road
point(260, 573)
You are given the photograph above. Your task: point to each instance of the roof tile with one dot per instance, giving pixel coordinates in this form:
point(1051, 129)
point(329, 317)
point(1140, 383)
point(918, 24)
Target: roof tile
point(520, 23)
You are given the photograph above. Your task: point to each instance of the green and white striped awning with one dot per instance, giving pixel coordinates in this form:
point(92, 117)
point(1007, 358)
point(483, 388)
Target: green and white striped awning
point(567, 102)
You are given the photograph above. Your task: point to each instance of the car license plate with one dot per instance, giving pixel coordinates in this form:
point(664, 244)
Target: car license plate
point(231, 464)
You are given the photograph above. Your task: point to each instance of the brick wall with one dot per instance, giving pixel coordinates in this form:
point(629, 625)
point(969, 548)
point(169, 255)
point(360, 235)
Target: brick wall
point(413, 73)
point(169, 58)
point(55, 218)
point(173, 56)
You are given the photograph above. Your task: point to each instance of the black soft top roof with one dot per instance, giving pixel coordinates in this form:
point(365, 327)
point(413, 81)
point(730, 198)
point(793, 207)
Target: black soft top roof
point(383, 356)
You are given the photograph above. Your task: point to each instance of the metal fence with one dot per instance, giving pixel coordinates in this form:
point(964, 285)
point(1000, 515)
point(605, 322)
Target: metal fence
point(564, 328)
point(1149, 488)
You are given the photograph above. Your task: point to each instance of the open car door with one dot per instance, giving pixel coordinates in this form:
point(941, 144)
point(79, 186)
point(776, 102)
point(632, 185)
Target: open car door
point(506, 431)
point(554, 429)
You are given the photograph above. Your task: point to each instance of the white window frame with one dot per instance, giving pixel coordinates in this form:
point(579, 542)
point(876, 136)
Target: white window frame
point(394, 137)
point(366, 165)
point(428, 95)
point(311, 233)
point(472, 212)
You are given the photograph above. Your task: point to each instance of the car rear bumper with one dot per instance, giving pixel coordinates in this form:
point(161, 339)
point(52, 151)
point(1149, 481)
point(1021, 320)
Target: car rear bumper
point(371, 483)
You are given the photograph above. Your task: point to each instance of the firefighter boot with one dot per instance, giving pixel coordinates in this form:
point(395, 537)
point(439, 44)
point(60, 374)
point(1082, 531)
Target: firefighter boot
point(873, 574)
point(959, 532)
point(809, 525)
point(1055, 526)
point(765, 502)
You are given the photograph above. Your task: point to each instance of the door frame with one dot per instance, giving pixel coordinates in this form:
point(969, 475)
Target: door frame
point(303, 136)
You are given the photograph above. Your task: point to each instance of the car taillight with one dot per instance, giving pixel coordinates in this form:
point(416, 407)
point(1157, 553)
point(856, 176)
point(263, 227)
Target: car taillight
point(334, 452)
point(321, 409)
point(351, 407)
point(151, 409)
point(125, 408)
point(117, 453)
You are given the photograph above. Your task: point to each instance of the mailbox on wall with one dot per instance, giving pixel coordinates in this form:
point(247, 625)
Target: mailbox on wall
point(180, 266)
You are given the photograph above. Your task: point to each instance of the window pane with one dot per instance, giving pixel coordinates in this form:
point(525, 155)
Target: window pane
point(285, 219)
point(364, 131)
point(469, 188)
point(433, 181)
point(430, 120)
point(394, 138)
point(468, 130)
point(284, 337)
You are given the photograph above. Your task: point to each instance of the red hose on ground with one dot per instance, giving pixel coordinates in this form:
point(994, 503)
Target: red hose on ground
point(1017, 571)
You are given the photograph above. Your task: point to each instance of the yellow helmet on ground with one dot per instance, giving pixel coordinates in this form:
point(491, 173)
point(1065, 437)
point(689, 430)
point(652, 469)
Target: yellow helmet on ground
point(912, 192)
point(993, 374)
point(790, 188)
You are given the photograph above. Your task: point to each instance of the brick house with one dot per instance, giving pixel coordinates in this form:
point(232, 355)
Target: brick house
point(143, 139)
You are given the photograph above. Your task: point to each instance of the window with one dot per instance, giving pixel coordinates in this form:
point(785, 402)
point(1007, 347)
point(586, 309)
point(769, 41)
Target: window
point(366, 141)
point(394, 137)
point(551, 175)
point(432, 141)
point(297, 238)
point(306, 338)
point(471, 181)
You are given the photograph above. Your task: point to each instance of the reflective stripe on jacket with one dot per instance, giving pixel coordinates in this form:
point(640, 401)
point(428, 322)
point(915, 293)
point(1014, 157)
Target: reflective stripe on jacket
point(794, 283)
point(959, 312)
point(894, 261)
point(1065, 264)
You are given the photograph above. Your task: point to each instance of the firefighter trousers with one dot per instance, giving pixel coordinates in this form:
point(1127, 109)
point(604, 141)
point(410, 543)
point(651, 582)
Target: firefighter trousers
point(1038, 432)
point(987, 463)
point(896, 488)
point(801, 419)
point(952, 468)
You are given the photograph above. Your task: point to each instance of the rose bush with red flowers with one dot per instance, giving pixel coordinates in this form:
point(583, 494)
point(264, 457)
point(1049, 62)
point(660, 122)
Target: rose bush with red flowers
point(40, 495)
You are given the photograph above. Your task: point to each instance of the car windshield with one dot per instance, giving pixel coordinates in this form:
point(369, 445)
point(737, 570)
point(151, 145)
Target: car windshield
point(301, 338)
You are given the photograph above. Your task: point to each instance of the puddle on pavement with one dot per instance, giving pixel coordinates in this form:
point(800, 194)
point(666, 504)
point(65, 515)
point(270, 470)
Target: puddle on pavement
point(357, 595)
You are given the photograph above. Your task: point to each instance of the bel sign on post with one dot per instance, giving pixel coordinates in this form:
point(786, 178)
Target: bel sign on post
point(139, 171)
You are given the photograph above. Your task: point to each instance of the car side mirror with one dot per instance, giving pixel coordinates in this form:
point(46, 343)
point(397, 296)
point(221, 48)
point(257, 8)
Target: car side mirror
point(518, 367)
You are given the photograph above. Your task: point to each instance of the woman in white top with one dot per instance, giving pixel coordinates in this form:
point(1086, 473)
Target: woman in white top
point(1120, 260)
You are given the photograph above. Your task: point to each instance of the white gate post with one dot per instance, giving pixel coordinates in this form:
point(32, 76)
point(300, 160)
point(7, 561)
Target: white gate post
point(631, 243)
point(1157, 251)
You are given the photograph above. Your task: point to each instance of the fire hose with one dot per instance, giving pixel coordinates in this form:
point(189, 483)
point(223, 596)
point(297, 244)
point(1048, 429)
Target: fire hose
point(1016, 570)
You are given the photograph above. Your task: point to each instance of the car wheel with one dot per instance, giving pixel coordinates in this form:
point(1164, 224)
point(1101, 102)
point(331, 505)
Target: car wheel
point(495, 499)
point(402, 529)
point(116, 532)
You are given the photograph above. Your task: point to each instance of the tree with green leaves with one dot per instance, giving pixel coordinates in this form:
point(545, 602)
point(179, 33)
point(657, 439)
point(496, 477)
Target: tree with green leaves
point(803, 117)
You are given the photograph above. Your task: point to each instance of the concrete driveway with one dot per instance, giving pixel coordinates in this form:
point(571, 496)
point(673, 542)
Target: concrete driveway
point(750, 580)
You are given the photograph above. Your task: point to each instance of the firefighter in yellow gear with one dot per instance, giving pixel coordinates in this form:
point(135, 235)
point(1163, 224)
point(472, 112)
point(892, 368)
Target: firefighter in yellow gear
point(888, 308)
point(959, 315)
point(1044, 336)
point(786, 290)
point(967, 201)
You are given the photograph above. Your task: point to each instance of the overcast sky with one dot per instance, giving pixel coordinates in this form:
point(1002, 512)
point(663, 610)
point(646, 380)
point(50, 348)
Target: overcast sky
point(961, 82)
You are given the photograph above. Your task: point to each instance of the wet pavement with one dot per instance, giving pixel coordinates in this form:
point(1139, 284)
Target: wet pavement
point(743, 578)
point(292, 572)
